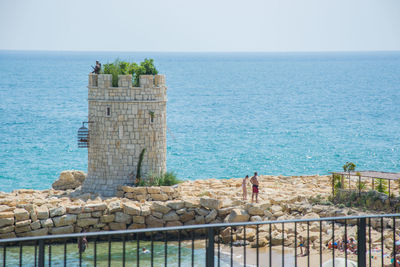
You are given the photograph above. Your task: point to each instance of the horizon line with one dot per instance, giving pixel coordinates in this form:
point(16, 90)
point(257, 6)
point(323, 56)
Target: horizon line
point(199, 51)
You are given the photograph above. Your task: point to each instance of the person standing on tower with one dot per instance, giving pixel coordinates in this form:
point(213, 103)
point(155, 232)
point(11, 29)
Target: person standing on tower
point(97, 68)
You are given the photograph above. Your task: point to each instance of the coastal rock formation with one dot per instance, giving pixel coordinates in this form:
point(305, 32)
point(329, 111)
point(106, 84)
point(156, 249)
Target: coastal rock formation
point(33, 212)
point(69, 180)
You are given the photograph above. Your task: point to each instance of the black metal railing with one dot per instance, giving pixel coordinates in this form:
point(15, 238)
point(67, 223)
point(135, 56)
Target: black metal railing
point(227, 244)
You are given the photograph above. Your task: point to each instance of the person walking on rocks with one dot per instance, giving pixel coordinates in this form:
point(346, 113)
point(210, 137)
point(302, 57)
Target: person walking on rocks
point(254, 182)
point(82, 243)
point(244, 183)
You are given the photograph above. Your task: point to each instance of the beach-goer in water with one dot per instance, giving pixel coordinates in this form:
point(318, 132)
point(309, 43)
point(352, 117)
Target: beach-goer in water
point(82, 243)
point(244, 182)
point(145, 251)
point(392, 261)
point(352, 245)
point(97, 68)
point(254, 182)
point(342, 244)
point(332, 245)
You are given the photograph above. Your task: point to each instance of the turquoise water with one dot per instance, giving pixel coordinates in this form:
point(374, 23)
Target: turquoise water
point(199, 257)
point(228, 114)
point(57, 255)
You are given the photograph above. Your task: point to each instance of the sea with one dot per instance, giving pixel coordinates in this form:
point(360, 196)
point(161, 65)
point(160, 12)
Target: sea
point(228, 114)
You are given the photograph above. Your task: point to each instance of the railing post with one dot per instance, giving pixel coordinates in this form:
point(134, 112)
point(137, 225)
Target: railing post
point(41, 253)
point(210, 248)
point(361, 243)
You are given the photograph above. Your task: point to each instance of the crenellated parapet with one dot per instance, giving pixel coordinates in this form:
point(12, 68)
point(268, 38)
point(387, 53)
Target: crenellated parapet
point(152, 88)
point(105, 80)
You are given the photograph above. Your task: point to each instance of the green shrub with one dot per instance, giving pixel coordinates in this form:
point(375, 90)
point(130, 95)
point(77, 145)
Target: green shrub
point(166, 179)
point(141, 182)
point(123, 68)
point(361, 185)
point(145, 68)
point(337, 181)
point(372, 195)
point(316, 200)
point(326, 203)
point(353, 196)
point(114, 69)
point(381, 185)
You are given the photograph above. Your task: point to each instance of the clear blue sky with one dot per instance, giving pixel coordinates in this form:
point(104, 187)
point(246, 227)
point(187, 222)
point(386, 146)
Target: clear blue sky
point(206, 25)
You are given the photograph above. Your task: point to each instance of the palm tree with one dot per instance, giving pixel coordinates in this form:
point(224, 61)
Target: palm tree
point(349, 167)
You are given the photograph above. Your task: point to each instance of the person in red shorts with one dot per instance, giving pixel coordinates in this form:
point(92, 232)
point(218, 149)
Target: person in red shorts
point(254, 182)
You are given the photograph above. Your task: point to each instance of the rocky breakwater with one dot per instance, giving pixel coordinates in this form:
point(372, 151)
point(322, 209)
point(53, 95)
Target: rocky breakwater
point(34, 213)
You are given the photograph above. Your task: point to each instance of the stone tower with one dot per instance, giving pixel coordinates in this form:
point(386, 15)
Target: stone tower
point(124, 120)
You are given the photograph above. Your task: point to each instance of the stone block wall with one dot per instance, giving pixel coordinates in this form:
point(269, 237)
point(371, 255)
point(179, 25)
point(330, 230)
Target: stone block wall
point(49, 218)
point(153, 193)
point(124, 120)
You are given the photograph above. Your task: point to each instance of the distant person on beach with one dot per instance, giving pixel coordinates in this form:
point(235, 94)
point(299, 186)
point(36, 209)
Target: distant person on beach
point(82, 243)
point(145, 251)
point(254, 182)
point(244, 182)
point(392, 260)
point(342, 244)
point(302, 245)
point(352, 245)
point(97, 68)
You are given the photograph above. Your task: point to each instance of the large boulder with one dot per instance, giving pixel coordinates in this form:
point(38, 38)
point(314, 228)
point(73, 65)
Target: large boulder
point(211, 216)
point(238, 215)
point(6, 222)
point(21, 214)
point(69, 180)
point(115, 226)
point(152, 222)
point(107, 218)
point(210, 203)
point(87, 221)
point(58, 211)
point(176, 204)
point(256, 209)
point(171, 216)
point(160, 207)
point(123, 218)
point(62, 230)
point(187, 216)
point(67, 219)
point(131, 208)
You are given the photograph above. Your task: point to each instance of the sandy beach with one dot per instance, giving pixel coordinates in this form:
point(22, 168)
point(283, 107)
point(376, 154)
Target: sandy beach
point(313, 260)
